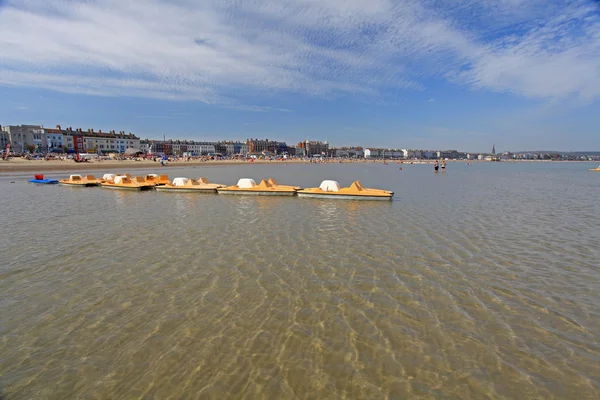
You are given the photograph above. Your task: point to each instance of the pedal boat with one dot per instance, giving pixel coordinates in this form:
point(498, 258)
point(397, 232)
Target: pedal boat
point(79, 181)
point(152, 178)
point(125, 182)
point(163, 179)
point(332, 190)
point(269, 187)
point(595, 169)
point(200, 185)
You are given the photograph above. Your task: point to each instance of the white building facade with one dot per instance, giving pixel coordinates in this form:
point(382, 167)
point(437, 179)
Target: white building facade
point(54, 142)
point(22, 137)
point(373, 153)
point(348, 153)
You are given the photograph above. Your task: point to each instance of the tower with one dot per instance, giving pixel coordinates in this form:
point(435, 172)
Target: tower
point(494, 149)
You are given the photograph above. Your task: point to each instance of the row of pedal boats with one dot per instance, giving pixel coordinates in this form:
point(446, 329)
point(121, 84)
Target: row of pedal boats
point(245, 186)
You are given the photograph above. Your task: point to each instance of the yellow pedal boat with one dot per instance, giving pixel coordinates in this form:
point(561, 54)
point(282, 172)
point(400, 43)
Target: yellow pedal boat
point(152, 178)
point(200, 185)
point(595, 169)
point(79, 181)
point(269, 187)
point(332, 190)
point(158, 180)
point(125, 182)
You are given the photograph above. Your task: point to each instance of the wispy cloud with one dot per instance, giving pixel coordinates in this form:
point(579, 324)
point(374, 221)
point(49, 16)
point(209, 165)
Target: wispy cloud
point(255, 108)
point(212, 50)
point(155, 117)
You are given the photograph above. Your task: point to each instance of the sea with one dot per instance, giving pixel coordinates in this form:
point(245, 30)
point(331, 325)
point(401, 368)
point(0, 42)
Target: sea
point(480, 282)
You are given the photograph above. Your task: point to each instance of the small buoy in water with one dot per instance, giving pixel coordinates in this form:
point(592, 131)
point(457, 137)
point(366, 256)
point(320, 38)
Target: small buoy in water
point(12, 181)
point(400, 168)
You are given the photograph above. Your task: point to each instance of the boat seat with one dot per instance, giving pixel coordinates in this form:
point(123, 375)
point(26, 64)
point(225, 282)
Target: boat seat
point(330, 186)
point(90, 177)
point(265, 184)
point(203, 180)
point(357, 186)
point(246, 183)
point(163, 179)
point(180, 181)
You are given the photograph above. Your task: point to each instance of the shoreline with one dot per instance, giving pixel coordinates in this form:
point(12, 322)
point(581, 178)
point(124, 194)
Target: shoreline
point(42, 166)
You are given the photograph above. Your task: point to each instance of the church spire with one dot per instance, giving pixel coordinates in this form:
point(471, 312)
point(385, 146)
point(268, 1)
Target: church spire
point(493, 149)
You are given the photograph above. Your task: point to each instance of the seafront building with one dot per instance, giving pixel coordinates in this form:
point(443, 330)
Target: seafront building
point(192, 148)
point(372, 152)
point(39, 139)
point(258, 146)
point(36, 138)
point(24, 137)
point(3, 140)
point(55, 140)
point(311, 148)
point(346, 152)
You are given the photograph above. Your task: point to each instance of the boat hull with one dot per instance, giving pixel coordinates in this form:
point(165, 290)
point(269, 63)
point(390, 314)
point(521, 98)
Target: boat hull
point(256, 193)
point(138, 188)
point(187, 190)
point(44, 181)
point(88, 184)
point(344, 197)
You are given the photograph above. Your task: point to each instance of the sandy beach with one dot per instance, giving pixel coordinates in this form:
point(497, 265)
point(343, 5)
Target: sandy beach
point(42, 166)
point(16, 165)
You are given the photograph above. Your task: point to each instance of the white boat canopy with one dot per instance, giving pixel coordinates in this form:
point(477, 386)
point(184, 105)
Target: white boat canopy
point(108, 177)
point(246, 183)
point(153, 175)
point(120, 179)
point(75, 177)
point(180, 181)
point(330, 186)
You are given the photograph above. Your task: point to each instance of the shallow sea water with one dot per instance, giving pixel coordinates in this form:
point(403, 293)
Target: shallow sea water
point(480, 282)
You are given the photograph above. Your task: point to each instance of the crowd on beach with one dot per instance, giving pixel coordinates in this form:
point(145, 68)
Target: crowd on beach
point(164, 159)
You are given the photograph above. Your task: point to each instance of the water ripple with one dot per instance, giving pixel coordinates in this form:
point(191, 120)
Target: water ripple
point(481, 282)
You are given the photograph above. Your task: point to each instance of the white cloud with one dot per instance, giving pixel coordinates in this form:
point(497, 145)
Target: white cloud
point(215, 51)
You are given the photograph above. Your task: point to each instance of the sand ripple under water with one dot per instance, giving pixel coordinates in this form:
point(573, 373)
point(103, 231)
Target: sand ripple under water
point(480, 283)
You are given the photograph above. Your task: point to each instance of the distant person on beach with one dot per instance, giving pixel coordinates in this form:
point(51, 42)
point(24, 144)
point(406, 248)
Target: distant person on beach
point(436, 166)
point(443, 165)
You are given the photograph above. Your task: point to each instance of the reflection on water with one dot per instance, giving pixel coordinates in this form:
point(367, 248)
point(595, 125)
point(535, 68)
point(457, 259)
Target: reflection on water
point(480, 284)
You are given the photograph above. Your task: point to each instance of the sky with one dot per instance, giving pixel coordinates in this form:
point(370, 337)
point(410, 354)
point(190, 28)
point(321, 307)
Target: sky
point(426, 74)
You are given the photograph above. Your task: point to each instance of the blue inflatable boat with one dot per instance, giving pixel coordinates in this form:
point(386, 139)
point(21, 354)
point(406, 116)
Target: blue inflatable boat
point(44, 181)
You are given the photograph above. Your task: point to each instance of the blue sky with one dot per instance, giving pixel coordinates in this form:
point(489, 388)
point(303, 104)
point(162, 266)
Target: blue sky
point(418, 74)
